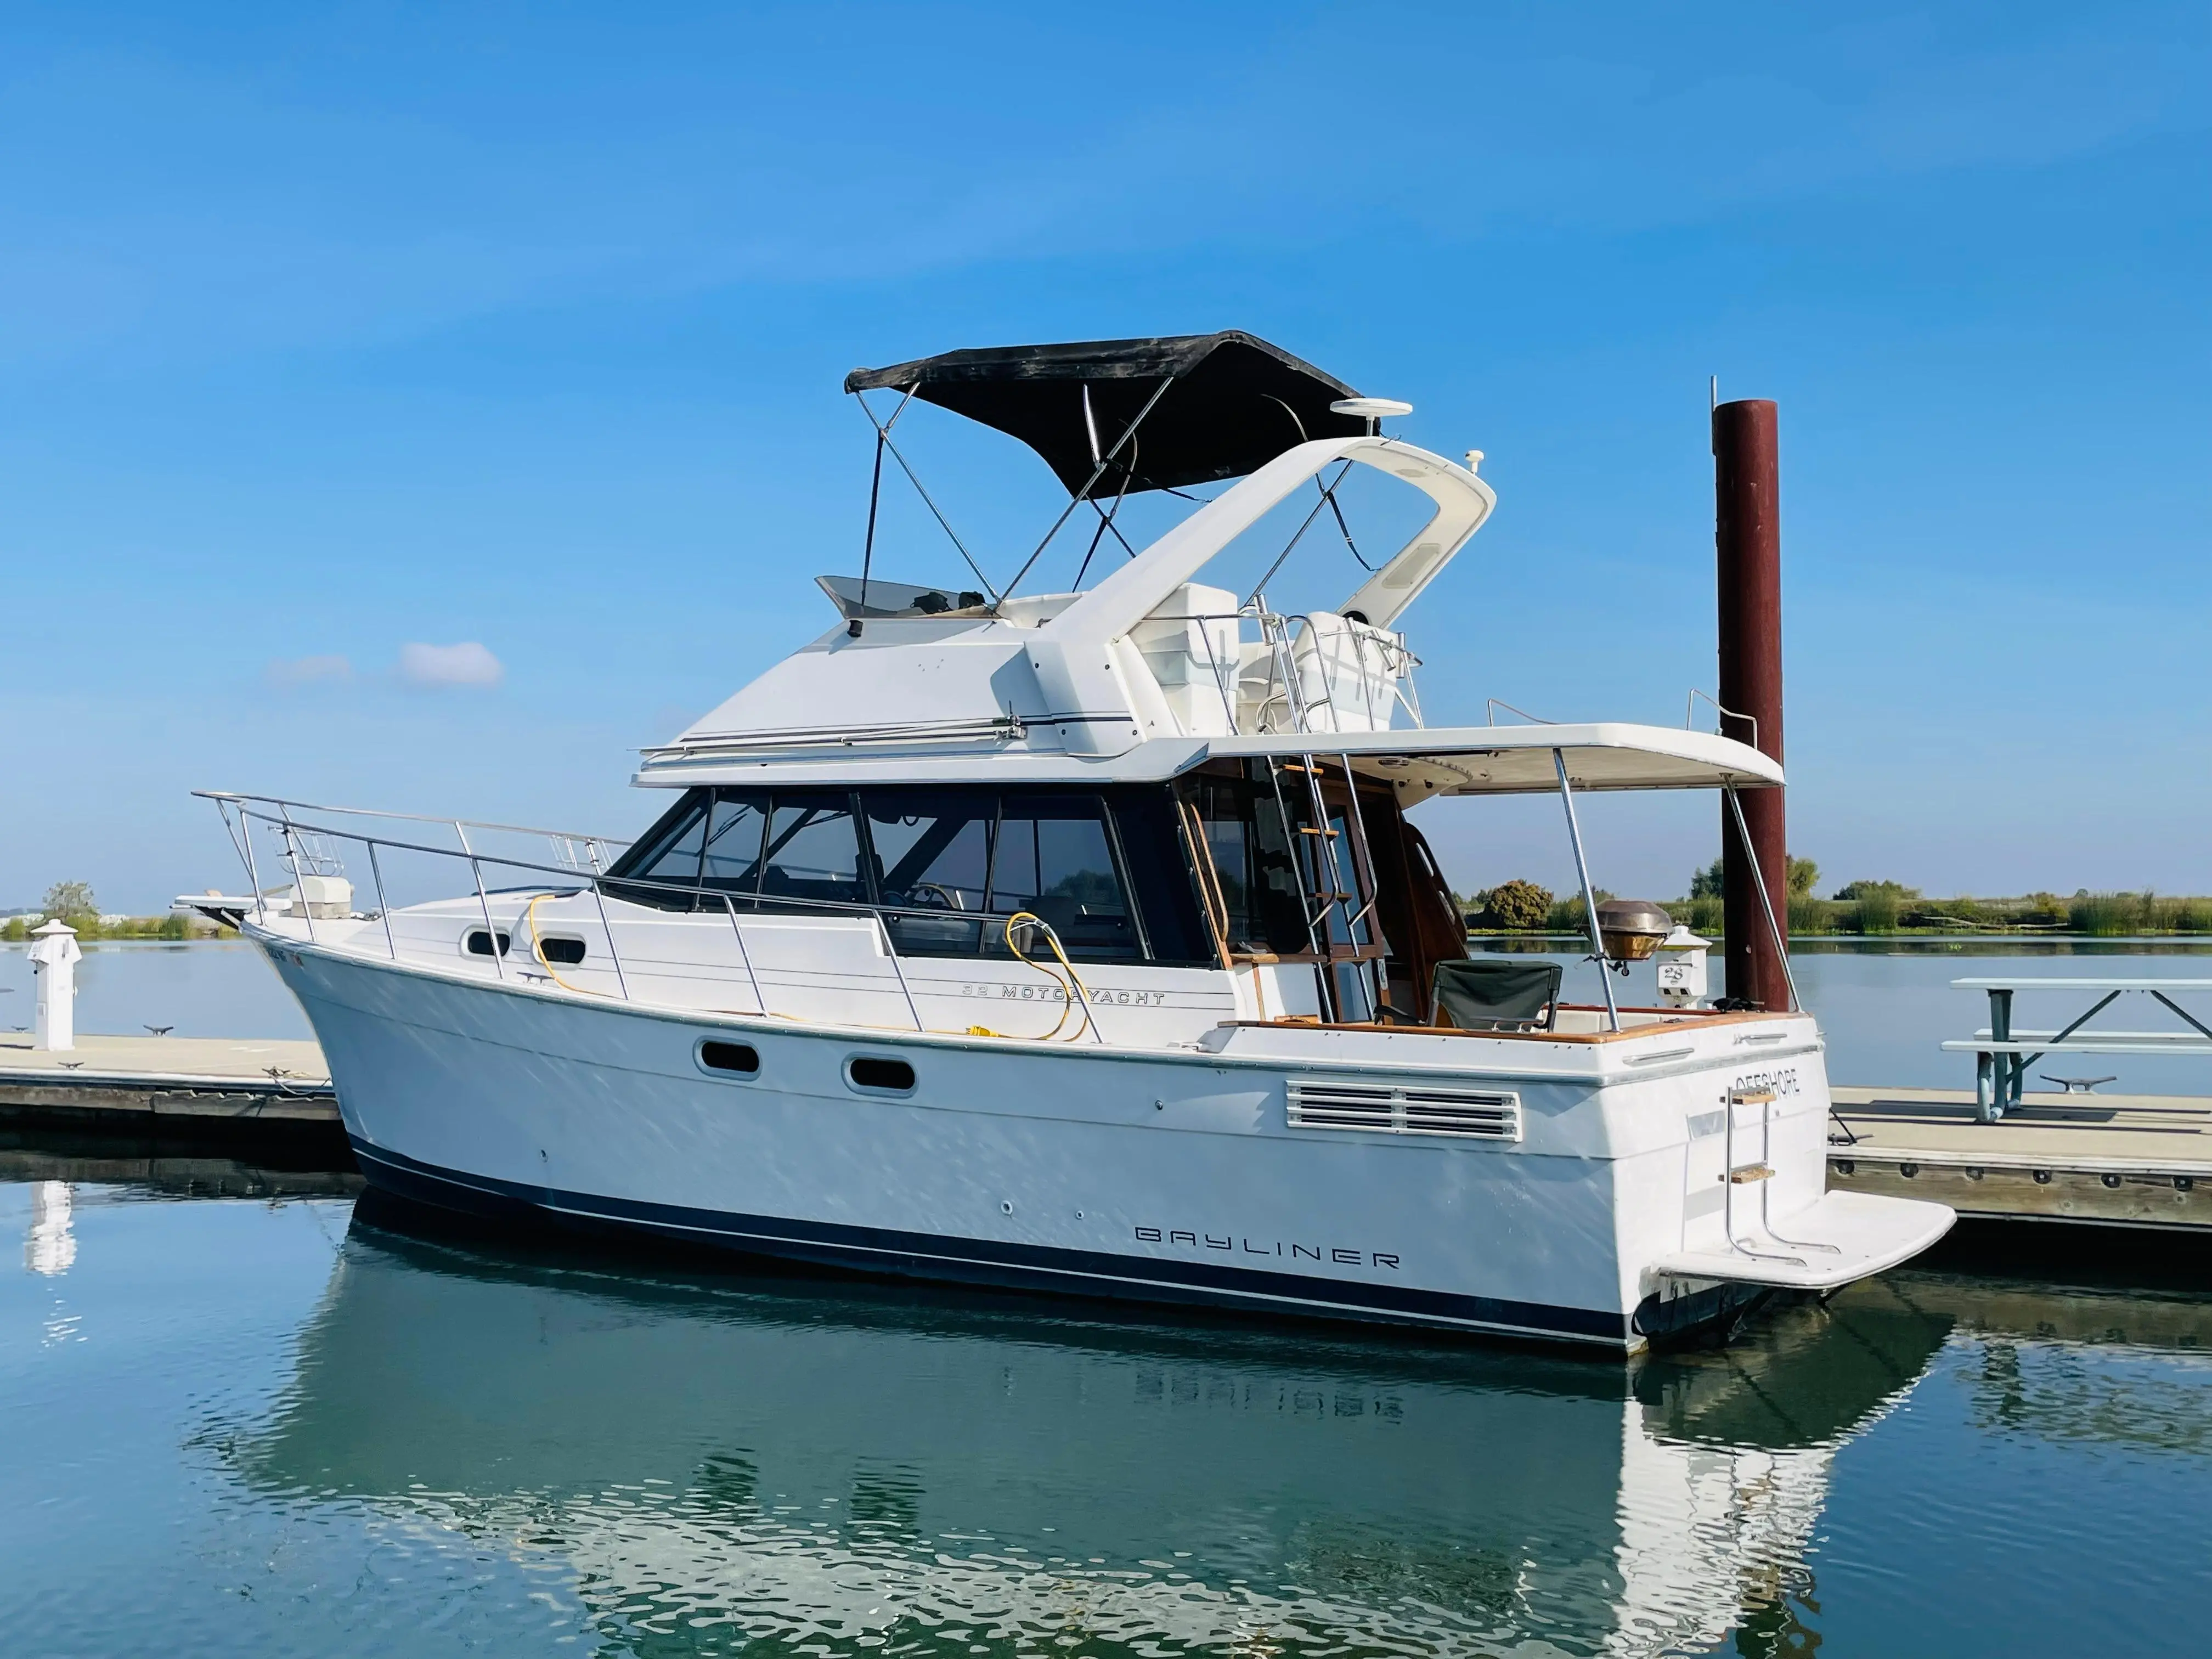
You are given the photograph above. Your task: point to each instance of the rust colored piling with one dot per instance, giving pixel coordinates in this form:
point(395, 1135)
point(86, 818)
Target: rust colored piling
point(1747, 537)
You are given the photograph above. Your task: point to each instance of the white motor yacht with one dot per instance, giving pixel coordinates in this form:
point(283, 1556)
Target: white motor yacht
point(1084, 941)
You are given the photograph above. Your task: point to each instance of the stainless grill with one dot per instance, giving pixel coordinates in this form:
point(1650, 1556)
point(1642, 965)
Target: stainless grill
point(1403, 1108)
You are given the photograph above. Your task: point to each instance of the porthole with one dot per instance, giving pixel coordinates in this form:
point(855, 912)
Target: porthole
point(871, 1072)
point(479, 943)
point(567, 953)
point(737, 1058)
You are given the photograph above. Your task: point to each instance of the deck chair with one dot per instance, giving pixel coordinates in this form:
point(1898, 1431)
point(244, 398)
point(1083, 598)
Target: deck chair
point(1496, 994)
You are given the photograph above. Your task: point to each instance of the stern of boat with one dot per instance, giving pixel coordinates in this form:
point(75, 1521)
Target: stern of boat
point(1733, 1206)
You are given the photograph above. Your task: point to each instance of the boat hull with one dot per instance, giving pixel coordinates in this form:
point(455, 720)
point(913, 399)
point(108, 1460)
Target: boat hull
point(1070, 1169)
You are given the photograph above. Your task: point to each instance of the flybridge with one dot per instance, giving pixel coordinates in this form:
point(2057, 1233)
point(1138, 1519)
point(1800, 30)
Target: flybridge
point(1152, 651)
point(1152, 669)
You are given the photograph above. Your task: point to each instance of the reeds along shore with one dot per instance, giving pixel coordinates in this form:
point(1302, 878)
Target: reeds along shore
point(171, 927)
point(2095, 915)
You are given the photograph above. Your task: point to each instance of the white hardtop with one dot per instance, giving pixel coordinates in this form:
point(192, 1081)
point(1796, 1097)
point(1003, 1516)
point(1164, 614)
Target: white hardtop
point(1468, 760)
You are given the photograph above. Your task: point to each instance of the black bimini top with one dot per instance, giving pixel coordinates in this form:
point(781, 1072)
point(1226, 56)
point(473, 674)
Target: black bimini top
point(1235, 404)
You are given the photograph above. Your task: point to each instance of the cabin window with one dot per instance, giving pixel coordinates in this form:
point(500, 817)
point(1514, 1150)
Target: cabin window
point(933, 853)
point(1158, 873)
point(668, 855)
point(1107, 870)
point(1053, 859)
point(739, 1058)
point(736, 829)
point(479, 943)
point(813, 851)
point(1249, 838)
point(566, 952)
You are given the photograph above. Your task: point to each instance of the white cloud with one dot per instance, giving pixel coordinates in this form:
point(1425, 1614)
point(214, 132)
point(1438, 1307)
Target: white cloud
point(290, 672)
point(466, 664)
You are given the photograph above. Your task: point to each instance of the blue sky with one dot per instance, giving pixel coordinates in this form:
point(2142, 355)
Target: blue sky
point(329, 335)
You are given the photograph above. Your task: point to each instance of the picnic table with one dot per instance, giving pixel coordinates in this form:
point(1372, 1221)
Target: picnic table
point(2002, 1052)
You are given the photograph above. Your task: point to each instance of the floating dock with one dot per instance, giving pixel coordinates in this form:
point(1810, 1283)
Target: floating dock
point(174, 1088)
point(2114, 1160)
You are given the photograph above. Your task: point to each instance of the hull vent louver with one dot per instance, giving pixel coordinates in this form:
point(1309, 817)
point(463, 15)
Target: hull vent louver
point(1404, 1108)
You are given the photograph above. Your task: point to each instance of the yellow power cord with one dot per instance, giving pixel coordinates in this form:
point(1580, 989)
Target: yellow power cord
point(1071, 988)
point(537, 950)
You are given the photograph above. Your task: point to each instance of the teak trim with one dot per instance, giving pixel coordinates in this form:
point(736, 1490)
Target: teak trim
point(1678, 1019)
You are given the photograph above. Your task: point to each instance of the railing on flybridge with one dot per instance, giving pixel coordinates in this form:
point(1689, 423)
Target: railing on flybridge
point(1322, 672)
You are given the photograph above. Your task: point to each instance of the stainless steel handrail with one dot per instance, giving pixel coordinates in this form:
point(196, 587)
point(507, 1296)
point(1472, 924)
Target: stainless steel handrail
point(235, 797)
point(491, 932)
point(1278, 635)
point(577, 882)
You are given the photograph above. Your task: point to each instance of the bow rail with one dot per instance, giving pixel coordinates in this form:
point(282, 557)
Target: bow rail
point(309, 848)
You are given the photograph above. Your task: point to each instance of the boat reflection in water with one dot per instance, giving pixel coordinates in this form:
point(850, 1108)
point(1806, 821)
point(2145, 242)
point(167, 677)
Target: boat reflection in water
point(723, 1462)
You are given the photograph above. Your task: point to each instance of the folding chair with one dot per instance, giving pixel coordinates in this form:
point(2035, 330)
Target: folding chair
point(1497, 993)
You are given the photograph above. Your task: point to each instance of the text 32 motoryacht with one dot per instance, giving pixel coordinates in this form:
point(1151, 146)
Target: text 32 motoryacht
point(1084, 941)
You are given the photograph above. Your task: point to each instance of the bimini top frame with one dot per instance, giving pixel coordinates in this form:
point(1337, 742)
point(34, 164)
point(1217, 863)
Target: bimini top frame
point(1114, 417)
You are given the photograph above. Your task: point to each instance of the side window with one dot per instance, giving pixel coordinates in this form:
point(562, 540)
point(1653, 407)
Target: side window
point(933, 853)
point(1228, 842)
point(734, 833)
point(668, 856)
point(1158, 873)
point(1053, 857)
point(813, 851)
point(1252, 852)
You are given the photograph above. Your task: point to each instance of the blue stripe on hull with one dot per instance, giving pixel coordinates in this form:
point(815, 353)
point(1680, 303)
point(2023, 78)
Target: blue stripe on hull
point(977, 1261)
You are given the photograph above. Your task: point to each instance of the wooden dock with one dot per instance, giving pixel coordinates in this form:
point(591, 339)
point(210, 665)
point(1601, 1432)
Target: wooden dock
point(2115, 1160)
point(172, 1088)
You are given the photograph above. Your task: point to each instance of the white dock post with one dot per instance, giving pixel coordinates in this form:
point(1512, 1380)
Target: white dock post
point(54, 960)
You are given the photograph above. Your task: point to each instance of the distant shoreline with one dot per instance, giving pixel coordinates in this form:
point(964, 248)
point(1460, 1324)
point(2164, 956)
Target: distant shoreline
point(173, 929)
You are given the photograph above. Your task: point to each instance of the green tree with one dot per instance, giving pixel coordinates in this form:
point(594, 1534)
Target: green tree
point(69, 900)
point(1896, 891)
point(1711, 882)
point(1516, 904)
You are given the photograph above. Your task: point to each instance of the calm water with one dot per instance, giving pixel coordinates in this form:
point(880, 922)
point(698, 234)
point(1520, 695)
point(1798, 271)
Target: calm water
point(208, 988)
point(1887, 1011)
point(269, 1425)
